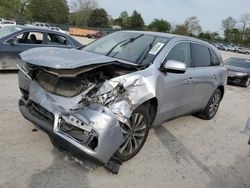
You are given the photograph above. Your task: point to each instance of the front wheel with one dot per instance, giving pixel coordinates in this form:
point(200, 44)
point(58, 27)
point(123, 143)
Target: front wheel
point(212, 106)
point(135, 132)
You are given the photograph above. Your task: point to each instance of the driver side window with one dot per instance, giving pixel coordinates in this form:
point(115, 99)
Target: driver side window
point(180, 52)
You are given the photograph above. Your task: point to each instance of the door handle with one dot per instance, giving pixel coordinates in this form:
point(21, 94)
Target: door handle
point(214, 76)
point(190, 80)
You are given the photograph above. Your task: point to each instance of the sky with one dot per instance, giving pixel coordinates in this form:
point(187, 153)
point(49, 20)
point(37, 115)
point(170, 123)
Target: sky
point(209, 12)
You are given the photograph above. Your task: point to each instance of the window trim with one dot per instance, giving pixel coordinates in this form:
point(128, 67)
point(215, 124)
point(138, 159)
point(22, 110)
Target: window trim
point(5, 42)
point(68, 40)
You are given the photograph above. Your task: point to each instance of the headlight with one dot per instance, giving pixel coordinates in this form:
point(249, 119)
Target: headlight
point(241, 74)
point(106, 98)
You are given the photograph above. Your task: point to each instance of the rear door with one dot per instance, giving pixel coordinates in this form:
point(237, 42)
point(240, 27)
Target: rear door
point(206, 71)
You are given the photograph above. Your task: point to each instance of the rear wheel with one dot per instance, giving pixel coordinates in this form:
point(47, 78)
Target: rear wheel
point(135, 132)
point(212, 106)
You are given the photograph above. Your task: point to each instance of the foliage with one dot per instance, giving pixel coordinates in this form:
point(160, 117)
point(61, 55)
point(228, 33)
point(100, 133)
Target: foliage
point(190, 27)
point(13, 9)
point(81, 10)
point(136, 21)
point(228, 23)
point(52, 11)
point(98, 18)
point(159, 25)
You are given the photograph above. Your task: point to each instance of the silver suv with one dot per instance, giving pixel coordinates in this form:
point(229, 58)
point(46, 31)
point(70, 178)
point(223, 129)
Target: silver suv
point(100, 101)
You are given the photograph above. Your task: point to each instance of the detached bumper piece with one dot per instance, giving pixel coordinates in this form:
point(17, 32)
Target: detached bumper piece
point(90, 134)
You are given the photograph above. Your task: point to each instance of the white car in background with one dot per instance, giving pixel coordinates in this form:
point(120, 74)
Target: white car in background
point(58, 29)
point(7, 23)
point(38, 24)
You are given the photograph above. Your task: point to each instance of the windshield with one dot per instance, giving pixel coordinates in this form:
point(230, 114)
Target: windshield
point(8, 30)
point(243, 63)
point(134, 47)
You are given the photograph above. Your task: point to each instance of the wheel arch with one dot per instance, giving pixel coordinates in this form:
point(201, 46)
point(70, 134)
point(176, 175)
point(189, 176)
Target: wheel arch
point(152, 106)
point(222, 90)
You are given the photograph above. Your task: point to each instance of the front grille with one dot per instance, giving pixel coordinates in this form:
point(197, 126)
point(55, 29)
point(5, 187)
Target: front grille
point(61, 86)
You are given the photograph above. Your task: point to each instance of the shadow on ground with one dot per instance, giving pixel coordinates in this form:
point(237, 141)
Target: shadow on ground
point(63, 172)
point(178, 150)
point(235, 176)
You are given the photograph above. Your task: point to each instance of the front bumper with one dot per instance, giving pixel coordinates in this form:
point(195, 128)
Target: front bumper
point(237, 80)
point(96, 123)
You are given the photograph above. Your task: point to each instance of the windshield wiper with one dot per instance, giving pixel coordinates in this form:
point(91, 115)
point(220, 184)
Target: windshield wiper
point(126, 41)
point(145, 52)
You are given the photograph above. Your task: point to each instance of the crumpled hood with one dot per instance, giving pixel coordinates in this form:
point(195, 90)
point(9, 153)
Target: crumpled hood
point(59, 58)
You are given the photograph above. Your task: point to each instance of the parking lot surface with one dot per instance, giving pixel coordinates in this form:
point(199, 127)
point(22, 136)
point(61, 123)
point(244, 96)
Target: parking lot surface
point(185, 152)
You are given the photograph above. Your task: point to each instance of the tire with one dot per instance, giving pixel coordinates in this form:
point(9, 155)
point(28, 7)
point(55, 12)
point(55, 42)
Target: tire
point(134, 140)
point(212, 106)
point(247, 83)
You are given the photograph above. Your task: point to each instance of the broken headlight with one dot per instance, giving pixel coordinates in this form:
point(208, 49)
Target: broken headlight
point(106, 98)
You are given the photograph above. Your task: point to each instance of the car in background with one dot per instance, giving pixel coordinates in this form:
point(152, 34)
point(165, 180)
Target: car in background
point(7, 23)
point(100, 102)
point(39, 24)
point(57, 29)
point(241, 50)
point(229, 48)
point(95, 36)
point(238, 71)
point(16, 39)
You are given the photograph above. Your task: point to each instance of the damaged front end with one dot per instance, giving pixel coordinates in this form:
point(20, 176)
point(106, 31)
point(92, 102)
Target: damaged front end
point(81, 109)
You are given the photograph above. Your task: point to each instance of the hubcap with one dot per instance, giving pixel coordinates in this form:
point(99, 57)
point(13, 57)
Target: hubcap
point(133, 131)
point(214, 105)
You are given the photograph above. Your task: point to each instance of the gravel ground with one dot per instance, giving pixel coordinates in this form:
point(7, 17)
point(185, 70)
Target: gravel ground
point(186, 152)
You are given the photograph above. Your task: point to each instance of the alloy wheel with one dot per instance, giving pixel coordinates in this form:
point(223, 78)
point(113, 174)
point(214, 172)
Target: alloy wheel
point(134, 132)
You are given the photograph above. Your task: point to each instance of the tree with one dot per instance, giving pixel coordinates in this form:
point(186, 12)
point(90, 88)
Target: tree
point(193, 26)
point(244, 21)
point(232, 35)
point(53, 11)
point(81, 10)
point(14, 9)
point(136, 21)
point(181, 30)
point(190, 27)
point(159, 25)
point(228, 23)
point(98, 18)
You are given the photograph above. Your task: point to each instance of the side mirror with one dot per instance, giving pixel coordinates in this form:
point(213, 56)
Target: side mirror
point(174, 67)
point(13, 41)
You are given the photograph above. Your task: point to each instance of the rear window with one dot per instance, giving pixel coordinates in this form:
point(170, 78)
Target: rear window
point(200, 55)
point(243, 63)
point(214, 59)
point(8, 30)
